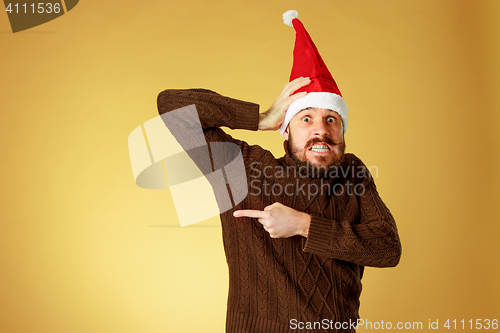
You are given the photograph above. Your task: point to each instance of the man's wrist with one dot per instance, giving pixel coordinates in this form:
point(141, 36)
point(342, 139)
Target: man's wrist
point(263, 123)
point(306, 223)
point(261, 118)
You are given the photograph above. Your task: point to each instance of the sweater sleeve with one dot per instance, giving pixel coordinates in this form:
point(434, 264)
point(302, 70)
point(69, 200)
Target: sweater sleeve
point(214, 110)
point(372, 240)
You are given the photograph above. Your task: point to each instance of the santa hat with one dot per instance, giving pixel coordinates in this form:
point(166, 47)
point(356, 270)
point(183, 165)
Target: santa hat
point(322, 91)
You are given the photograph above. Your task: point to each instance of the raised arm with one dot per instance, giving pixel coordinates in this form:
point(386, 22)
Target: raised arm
point(214, 110)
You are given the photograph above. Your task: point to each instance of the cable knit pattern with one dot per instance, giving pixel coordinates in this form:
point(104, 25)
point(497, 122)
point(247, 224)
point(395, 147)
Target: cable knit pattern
point(274, 283)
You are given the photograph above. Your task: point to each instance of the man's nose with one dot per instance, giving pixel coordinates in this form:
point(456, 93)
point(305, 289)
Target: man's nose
point(320, 128)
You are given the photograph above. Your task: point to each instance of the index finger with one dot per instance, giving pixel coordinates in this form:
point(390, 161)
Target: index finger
point(250, 213)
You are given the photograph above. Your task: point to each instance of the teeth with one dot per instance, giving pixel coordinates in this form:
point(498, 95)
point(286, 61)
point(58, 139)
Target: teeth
point(320, 148)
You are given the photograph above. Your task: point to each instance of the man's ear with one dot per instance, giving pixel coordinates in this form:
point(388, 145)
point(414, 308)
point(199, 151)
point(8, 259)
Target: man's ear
point(285, 132)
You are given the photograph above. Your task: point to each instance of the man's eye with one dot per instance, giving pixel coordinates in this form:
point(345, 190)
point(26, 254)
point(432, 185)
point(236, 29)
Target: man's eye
point(306, 119)
point(331, 119)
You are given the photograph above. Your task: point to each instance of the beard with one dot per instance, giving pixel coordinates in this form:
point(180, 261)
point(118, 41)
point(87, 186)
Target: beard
point(322, 170)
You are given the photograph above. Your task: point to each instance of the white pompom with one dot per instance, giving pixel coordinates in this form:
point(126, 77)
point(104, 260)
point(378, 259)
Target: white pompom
point(288, 16)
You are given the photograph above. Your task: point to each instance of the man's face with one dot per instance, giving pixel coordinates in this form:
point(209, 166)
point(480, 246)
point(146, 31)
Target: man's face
point(318, 137)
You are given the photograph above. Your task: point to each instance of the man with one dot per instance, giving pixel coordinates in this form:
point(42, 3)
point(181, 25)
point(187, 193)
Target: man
point(296, 246)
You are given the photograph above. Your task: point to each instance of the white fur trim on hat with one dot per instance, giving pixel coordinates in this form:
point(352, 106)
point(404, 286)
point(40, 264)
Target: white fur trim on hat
point(322, 100)
point(288, 16)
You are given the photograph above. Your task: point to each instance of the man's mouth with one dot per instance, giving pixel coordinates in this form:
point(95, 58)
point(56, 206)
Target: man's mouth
point(320, 148)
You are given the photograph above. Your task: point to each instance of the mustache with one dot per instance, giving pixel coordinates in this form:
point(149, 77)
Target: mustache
point(325, 140)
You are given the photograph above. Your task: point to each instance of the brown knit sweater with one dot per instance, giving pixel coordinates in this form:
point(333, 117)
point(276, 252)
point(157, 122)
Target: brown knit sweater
point(285, 284)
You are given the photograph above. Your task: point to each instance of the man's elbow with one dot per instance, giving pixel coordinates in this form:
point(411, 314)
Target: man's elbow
point(395, 256)
point(393, 249)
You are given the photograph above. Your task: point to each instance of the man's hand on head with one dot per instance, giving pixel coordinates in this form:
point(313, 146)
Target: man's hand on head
point(279, 220)
point(271, 119)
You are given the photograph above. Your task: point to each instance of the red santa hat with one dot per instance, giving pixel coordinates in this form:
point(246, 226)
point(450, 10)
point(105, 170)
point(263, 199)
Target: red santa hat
point(322, 91)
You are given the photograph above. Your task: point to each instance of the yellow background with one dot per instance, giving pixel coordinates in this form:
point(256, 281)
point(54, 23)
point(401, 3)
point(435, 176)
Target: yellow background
point(83, 249)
